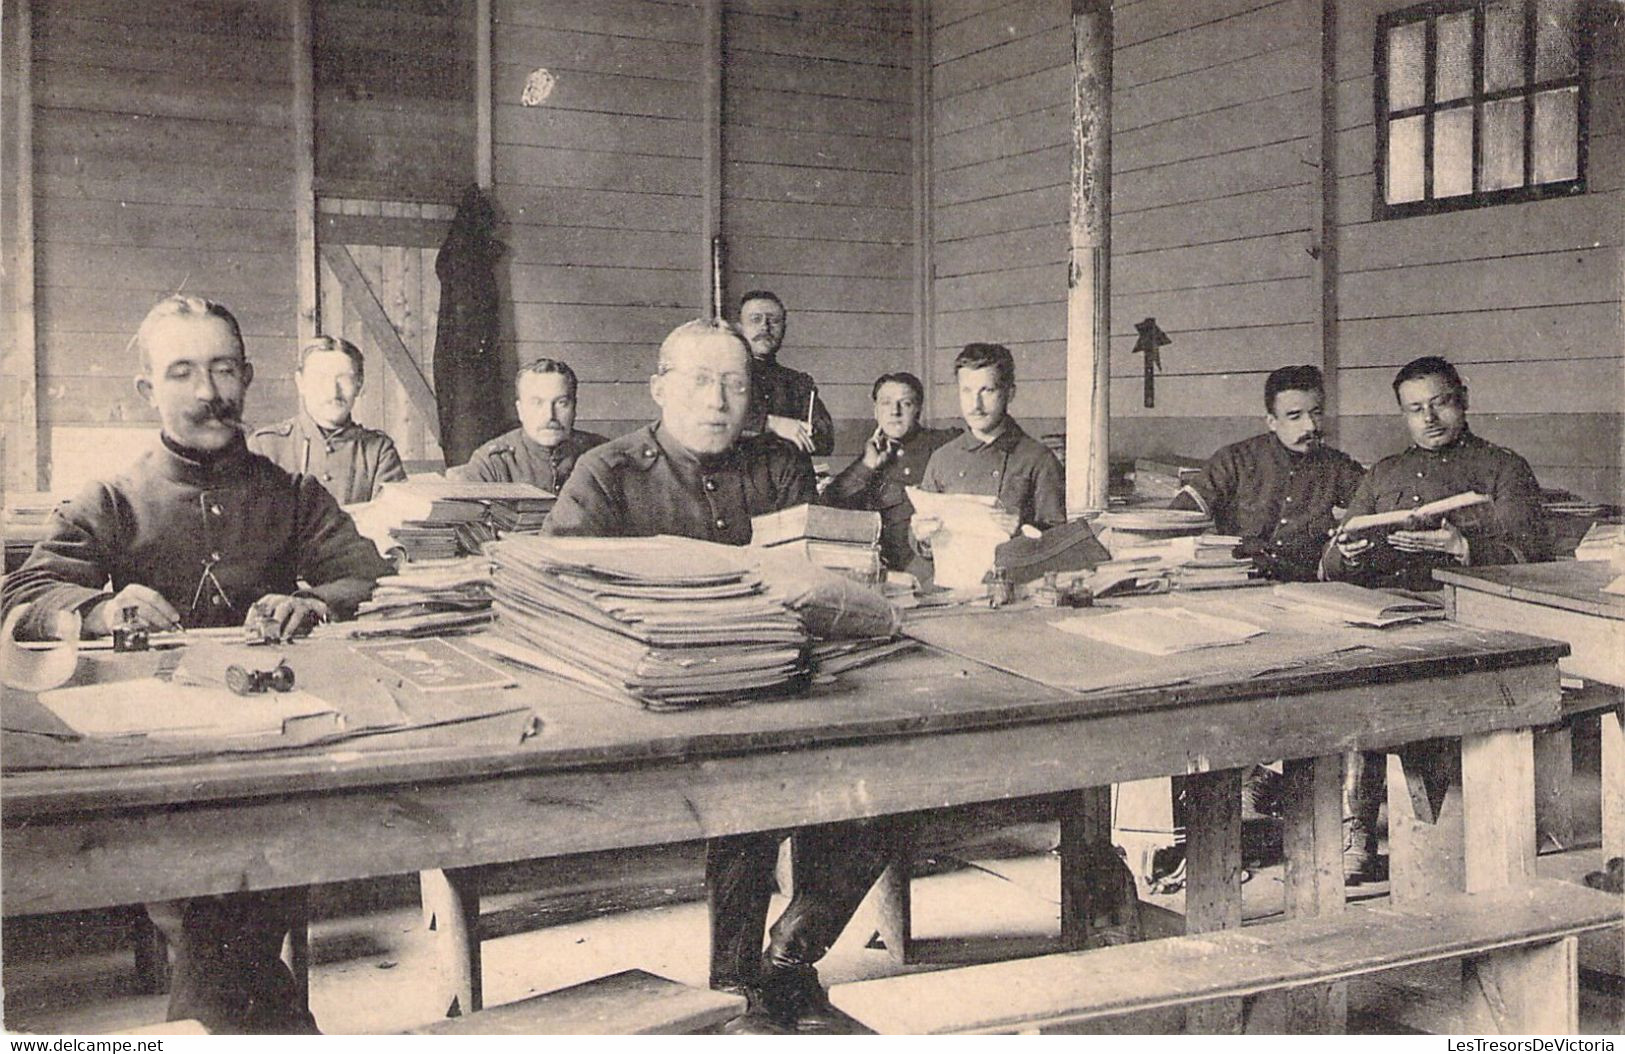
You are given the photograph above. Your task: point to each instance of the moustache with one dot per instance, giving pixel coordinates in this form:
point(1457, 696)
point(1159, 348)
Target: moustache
point(219, 410)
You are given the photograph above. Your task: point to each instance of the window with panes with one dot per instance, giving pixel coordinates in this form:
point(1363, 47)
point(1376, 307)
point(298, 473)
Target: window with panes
point(1479, 103)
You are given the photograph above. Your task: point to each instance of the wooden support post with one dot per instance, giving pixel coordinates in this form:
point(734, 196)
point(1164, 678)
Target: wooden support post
point(925, 317)
point(1312, 843)
point(713, 281)
point(1323, 210)
point(303, 61)
point(22, 352)
point(296, 945)
point(151, 954)
point(1213, 879)
point(1091, 901)
point(453, 898)
point(1554, 788)
point(482, 93)
point(363, 300)
point(1613, 784)
point(894, 899)
point(1088, 311)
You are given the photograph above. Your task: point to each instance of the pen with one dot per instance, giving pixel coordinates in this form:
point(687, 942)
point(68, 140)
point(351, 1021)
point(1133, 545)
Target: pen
point(812, 395)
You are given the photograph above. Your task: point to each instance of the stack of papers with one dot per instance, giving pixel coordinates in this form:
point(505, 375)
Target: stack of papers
point(427, 600)
point(1161, 630)
point(846, 541)
point(1603, 541)
point(1204, 561)
point(964, 549)
point(1357, 605)
point(670, 622)
point(437, 519)
point(166, 709)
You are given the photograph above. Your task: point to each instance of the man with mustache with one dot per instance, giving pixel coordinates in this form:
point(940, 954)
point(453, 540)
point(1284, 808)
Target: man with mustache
point(544, 448)
point(323, 440)
point(201, 532)
point(783, 402)
point(894, 458)
point(1444, 458)
point(1276, 491)
point(691, 474)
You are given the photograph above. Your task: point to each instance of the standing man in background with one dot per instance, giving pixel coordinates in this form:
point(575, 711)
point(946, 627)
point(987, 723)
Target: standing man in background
point(323, 440)
point(543, 450)
point(784, 401)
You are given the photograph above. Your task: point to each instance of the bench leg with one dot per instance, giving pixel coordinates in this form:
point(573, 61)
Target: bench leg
point(1554, 787)
point(893, 898)
point(1312, 838)
point(1213, 880)
point(1613, 785)
point(1523, 991)
point(296, 945)
point(452, 898)
point(151, 954)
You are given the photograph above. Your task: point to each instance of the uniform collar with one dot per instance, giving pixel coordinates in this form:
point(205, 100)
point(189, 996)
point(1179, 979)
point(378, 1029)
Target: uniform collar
point(344, 433)
point(203, 468)
point(548, 453)
point(684, 458)
point(1464, 441)
point(1006, 439)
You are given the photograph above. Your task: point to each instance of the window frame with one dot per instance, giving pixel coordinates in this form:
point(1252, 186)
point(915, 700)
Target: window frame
point(1429, 14)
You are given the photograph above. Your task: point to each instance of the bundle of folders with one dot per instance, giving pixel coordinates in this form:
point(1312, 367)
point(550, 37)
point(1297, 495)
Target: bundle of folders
point(846, 541)
point(427, 601)
point(673, 623)
point(440, 519)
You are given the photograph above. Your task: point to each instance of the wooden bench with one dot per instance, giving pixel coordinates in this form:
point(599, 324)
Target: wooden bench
point(1070, 988)
point(630, 1003)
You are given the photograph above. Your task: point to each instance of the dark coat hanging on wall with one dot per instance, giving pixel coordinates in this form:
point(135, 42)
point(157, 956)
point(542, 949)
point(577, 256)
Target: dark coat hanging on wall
point(468, 381)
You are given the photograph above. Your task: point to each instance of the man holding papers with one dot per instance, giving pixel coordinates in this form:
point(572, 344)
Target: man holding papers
point(1497, 522)
point(691, 474)
point(200, 532)
point(1277, 491)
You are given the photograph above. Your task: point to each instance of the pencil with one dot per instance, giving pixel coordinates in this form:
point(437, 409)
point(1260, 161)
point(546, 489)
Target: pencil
point(812, 395)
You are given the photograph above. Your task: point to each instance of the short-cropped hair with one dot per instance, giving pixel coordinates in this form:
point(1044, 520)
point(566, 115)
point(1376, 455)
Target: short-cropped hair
point(1292, 379)
point(546, 365)
point(760, 294)
point(981, 356)
point(903, 377)
point(1428, 366)
point(316, 345)
point(188, 307)
point(698, 329)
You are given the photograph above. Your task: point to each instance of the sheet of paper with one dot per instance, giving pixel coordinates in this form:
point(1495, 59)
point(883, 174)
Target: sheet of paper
point(1159, 631)
point(150, 707)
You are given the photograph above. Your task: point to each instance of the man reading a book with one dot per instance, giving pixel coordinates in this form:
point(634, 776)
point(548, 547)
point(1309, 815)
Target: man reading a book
point(544, 449)
point(200, 532)
point(784, 401)
point(1444, 459)
point(692, 474)
point(1277, 491)
point(994, 456)
point(893, 459)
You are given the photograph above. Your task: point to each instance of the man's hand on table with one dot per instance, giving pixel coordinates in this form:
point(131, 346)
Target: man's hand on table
point(151, 610)
point(289, 616)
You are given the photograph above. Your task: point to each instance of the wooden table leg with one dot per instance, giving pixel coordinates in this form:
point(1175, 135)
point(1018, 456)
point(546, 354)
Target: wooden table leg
point(296, 945)
point(893, 897)
point(1613, 785)
point(1213, 879)
point(1554, 788)
point(1311, 793)
point(1093, 900)
point(1480, 836)
point(453, 899)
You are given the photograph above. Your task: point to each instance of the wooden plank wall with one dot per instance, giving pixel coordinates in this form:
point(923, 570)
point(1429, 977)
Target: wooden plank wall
point(1214, 187)
point(1001, 157)
point(1525, 299)
point(394, 98)
point(817, 192)
point(16, 361)
point(160, 137)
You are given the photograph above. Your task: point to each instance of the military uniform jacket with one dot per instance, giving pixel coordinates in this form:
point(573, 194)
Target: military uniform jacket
point(352, 462)
point(1015, 468)
point(1279, 502)
point(783, 392)
point(514, 457)
point(256, 528)
point(882, 490)
point(1506, 530)
point(644, 484)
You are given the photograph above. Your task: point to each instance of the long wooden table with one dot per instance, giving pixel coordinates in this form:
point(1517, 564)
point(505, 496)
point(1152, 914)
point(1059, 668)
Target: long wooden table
point(919, 731)
point(1562, 600)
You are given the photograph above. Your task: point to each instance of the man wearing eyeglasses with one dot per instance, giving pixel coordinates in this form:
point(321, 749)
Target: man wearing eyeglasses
point(691, 474)
point(784, 401)
point(1445, 458)
point(200, 532)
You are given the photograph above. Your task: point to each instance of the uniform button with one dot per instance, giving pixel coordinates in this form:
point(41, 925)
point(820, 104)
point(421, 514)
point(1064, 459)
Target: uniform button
point(216, 600)
point(327, 476)
point(908, 472)
point(1283, 523)
point(647, 452)
point(722, 524)
point(1289, 499)
point(995, 473)
point(961, 475)
point(710, 484)
point(215, 558)
point(214, 510)
point(1418, 475)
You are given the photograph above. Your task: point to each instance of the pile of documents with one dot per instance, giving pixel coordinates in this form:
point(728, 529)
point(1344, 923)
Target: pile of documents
point(845, 541)
point(964, 546)
point(452, 596)
point(437, 519)
point(670, 622)
point(1357, 605)
point(1203, 561)
point(26, 519)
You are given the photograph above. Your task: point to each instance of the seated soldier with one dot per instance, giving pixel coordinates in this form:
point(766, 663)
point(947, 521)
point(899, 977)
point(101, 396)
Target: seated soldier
point(691, 474)
point(994, 456)
point(783, 401)
point(322, 440)
point(1277, 491)
point(894, 458)
point(201, 532)
point(544, 448)
point(1445, 458)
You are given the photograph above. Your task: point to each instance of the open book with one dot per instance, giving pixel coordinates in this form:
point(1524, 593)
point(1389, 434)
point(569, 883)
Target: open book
point(1357, 605)
point(1398, 518)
